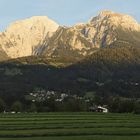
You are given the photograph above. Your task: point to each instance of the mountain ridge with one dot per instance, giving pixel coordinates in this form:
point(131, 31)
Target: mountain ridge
point(42, 36)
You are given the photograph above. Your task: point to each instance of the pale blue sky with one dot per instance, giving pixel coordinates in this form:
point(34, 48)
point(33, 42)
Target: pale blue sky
point(65, 12)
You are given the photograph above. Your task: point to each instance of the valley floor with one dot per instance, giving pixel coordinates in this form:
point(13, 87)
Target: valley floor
point(69, 126)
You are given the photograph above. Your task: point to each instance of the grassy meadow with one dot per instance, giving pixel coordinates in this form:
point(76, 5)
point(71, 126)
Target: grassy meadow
point(69, 126)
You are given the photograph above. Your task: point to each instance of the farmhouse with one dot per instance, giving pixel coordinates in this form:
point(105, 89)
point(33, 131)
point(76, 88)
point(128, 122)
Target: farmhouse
point(98, 109)
point(102, 109)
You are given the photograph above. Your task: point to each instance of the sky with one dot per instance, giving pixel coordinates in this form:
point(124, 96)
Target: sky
point(64, 12)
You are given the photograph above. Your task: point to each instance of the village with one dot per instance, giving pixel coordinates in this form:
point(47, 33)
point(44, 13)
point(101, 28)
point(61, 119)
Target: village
point(42, 96)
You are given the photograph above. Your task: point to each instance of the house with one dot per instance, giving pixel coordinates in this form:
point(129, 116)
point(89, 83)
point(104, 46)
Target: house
point(98, 109)
point(102, 109)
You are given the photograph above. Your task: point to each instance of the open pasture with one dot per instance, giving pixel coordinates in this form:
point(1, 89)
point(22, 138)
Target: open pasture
point(69, 126)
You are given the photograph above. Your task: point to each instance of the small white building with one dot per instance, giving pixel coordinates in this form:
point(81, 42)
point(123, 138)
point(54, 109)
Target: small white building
point(102, 109)
point(98, 109)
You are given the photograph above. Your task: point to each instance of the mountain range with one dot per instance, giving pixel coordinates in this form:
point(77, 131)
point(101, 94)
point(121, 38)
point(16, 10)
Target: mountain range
point(42, 36)
point(101, 56)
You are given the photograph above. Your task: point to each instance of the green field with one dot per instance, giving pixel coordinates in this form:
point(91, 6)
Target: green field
point(69, 126)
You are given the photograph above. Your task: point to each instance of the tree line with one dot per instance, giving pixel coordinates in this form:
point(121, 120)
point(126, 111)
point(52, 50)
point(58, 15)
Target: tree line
point(71, 104)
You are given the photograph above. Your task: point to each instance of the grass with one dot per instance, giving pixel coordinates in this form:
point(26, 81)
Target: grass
point(96, 137)
point(68, 126)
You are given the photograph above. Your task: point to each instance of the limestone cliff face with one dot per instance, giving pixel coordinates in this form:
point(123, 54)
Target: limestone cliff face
point(42, 36)
point(101, 31)
point(21, 37)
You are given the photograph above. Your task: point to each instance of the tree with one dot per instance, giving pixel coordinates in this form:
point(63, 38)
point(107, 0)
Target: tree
point(17, 106)
point(2, 105)
point(137, 108)
point(73, 105)
point(33, 108)
point(126, 106)
point(114, 104)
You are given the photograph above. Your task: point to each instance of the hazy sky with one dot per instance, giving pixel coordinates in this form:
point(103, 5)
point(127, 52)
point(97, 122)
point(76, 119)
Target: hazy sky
point(65, 12)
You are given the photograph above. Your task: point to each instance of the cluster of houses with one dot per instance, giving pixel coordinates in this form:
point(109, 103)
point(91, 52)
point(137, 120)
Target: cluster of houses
point(42, 96)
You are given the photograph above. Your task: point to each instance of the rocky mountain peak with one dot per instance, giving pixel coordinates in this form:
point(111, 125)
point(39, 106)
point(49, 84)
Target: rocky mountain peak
point(34, 24)
point(110, 18)
point(21, 37)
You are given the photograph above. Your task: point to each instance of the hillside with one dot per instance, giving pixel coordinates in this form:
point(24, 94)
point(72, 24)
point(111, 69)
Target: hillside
point(108, 72)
